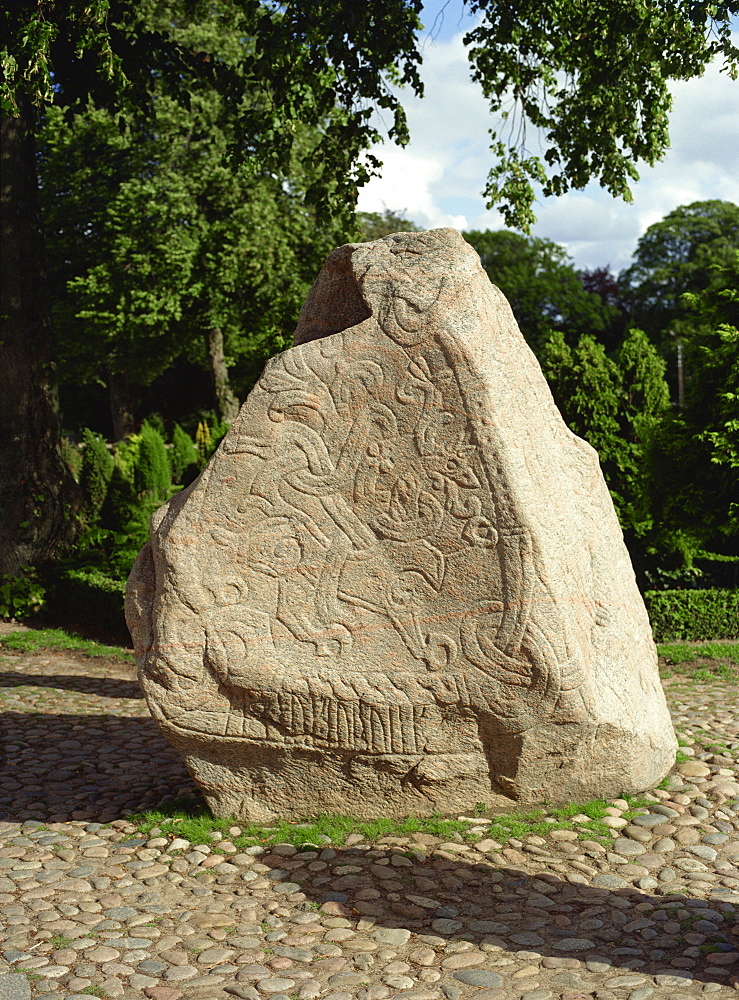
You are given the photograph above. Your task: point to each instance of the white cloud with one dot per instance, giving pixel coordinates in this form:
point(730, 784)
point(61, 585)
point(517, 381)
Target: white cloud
point(406, 187)
point(439, 177)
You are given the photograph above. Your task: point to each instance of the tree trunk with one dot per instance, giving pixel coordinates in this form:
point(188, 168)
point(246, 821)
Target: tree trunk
point(37, 491)
point(121, 410)
point(226, 403)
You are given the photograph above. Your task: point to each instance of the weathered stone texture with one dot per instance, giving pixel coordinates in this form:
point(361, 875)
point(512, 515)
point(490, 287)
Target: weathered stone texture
point(400, 585)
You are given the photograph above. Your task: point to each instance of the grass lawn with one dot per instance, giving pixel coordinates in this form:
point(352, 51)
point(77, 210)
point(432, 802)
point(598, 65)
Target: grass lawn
point(700, 661)
point(29, 640)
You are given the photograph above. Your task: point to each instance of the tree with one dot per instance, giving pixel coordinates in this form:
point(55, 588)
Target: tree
point(644, 406)
point(36, 488)
point(586, 385)
point(698, 485)
point(683, 286)
point(691, 250)
point(591, 81)
point(122, 238)
point(172, 252)
point(714, 383)
point(601, 282)
point(541, 284)
point(619, 405)
point(594, 78)
point(375, 225)
point(296, 72)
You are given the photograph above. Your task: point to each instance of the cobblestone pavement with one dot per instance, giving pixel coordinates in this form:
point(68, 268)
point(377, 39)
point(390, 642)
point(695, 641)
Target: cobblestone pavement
point(86, 909)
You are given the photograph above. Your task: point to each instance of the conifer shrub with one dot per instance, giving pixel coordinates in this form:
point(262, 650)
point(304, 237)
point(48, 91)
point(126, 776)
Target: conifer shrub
point(156, 420)
point(218, 430)
point(182, 454)
point(152, 476)
point(126, 455)
point(202, 442)
point(120, 503)
point(72, 456)
point(121, 493)
point(209, 434)
point(95, 472)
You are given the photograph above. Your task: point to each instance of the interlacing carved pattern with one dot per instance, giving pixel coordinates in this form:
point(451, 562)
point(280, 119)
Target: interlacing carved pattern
point(366, 517)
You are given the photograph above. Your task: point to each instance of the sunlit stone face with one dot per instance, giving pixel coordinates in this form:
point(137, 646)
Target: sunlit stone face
point(400, 583)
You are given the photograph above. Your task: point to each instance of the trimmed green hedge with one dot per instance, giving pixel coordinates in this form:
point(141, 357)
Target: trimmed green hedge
point(693, 614)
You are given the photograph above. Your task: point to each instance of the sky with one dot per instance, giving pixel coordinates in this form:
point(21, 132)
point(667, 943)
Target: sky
point(438, 178)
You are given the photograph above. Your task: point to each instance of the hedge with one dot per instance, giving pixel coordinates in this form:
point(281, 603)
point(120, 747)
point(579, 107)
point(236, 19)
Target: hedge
point(693, 614)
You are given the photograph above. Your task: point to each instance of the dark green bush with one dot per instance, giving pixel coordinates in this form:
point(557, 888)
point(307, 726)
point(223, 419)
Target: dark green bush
point(72, 456)
point(120, 504)
point(182, 454)
point(718, 570)
point(152, 475)
point(90, 602)
point(95, 472)
point(22, 595)
point(693, 614)
point(86, 588)
point(156, 420)
point(208, 435)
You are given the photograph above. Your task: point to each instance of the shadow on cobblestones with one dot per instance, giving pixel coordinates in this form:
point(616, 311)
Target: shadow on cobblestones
point(516, 910)
point(79, 745)
point(101, 686)
point(85, 767)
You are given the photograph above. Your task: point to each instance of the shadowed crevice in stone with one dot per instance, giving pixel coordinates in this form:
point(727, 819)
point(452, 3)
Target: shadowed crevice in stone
point(502, 749)
point(335, 302)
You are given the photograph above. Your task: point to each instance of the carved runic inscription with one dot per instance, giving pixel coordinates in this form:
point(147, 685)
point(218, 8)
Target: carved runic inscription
point(381, 561)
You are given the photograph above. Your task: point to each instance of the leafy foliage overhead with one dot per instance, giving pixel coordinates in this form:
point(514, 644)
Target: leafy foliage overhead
point(588, 81)
point(154, 241)
point(324, 64)
point(161, 247)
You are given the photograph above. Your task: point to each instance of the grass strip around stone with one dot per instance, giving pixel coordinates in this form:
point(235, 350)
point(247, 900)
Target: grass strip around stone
point(705, 661)
point(681, 652)
point(189, 818)
point(191, 821)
